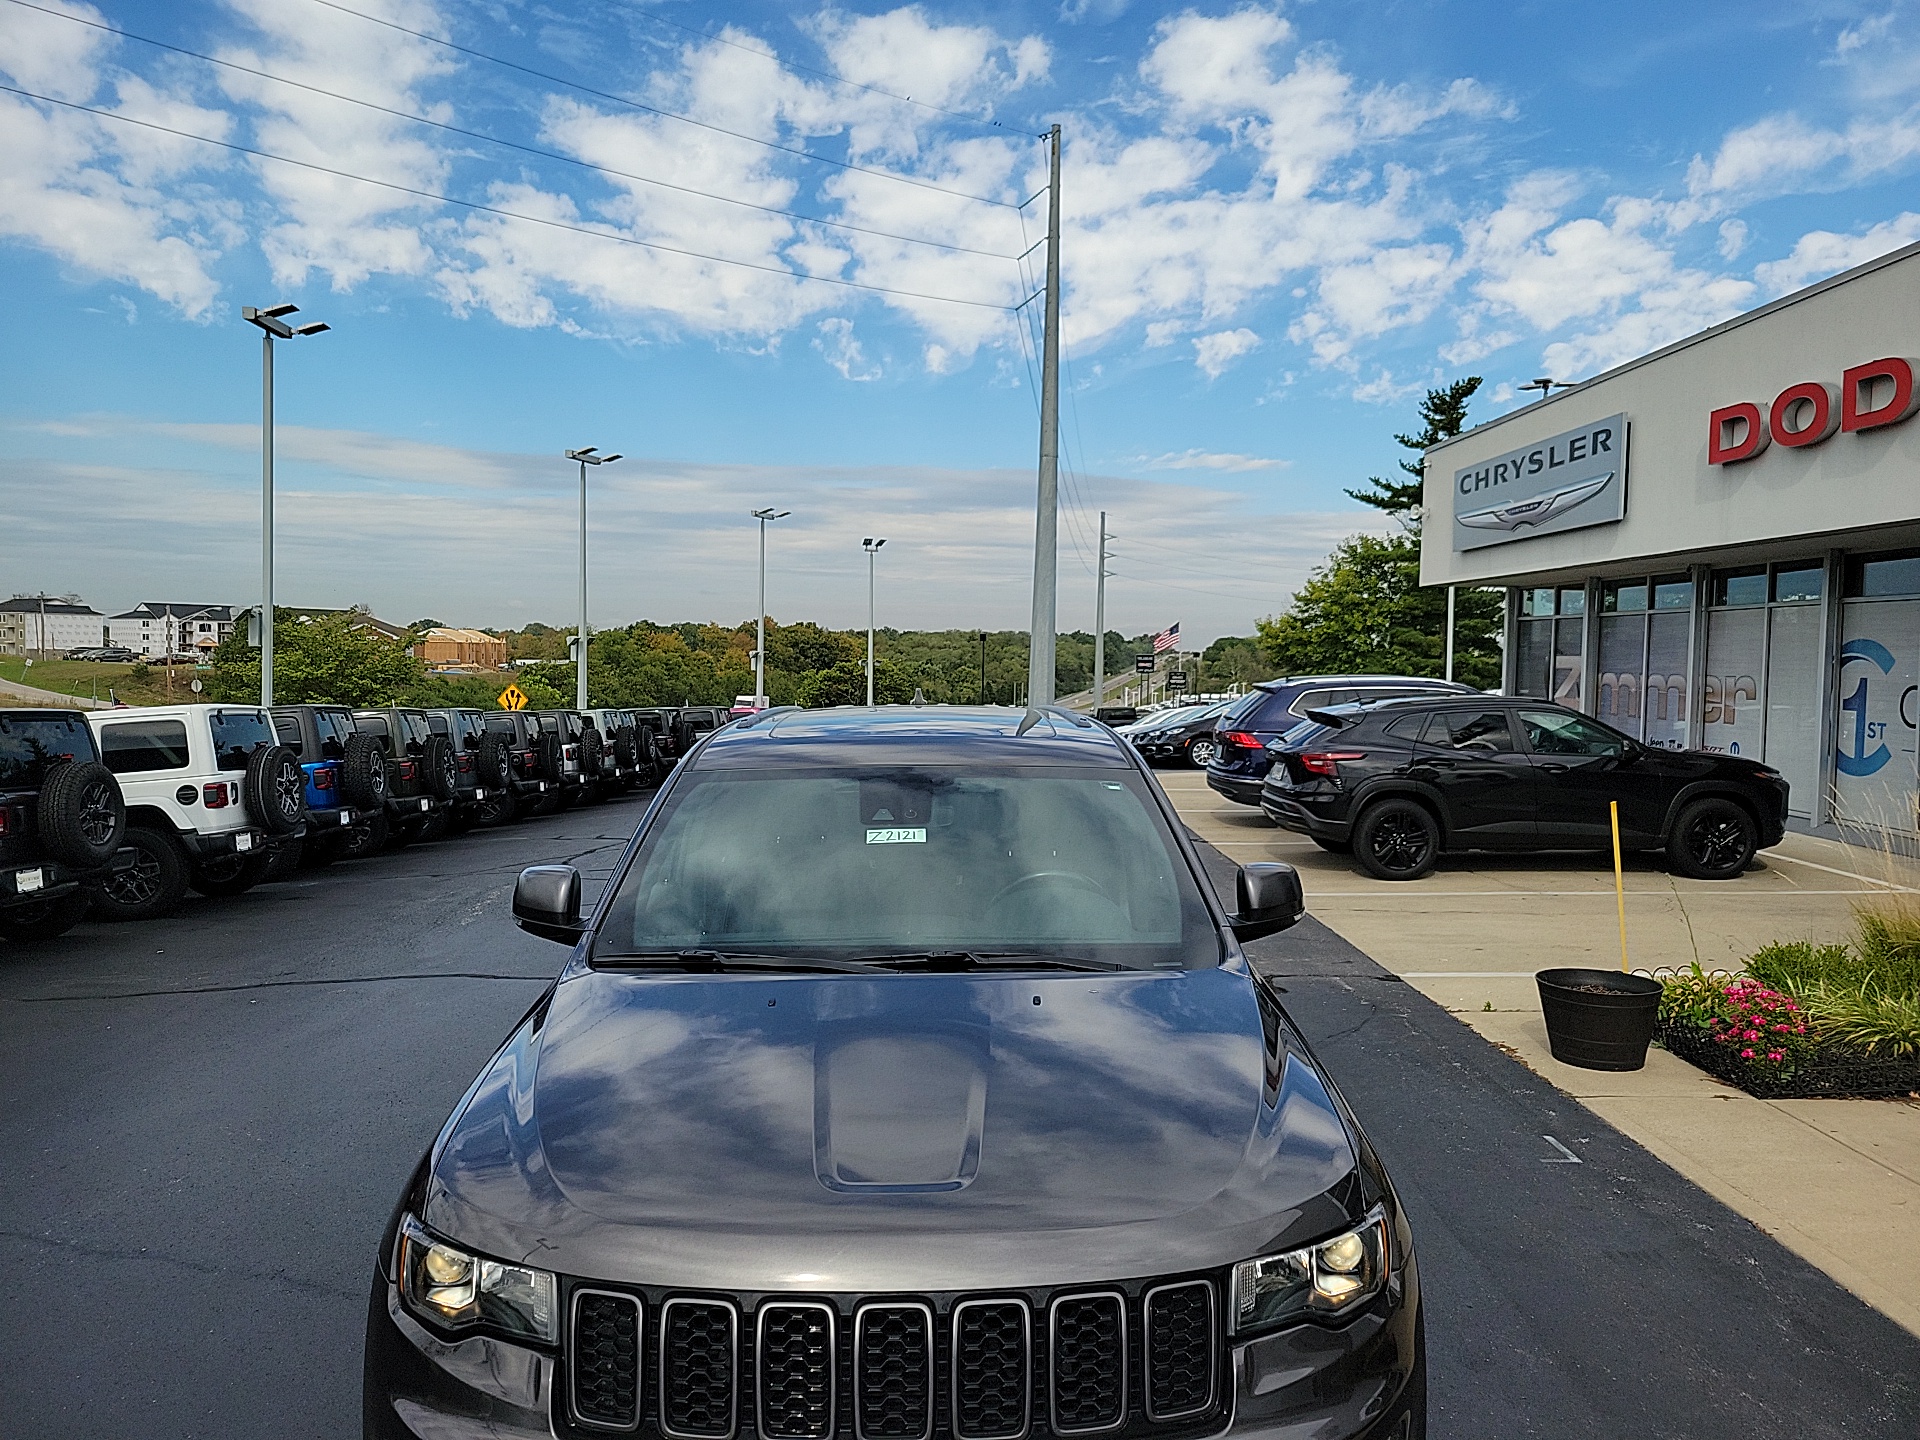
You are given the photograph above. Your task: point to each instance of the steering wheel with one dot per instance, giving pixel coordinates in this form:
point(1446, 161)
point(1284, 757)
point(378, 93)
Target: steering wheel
point(1038, 878)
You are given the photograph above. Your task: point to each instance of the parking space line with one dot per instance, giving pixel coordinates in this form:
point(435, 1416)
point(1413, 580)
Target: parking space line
point(1850, 874)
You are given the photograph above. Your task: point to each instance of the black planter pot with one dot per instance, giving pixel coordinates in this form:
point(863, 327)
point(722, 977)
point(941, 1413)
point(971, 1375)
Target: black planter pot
point(1598, 1019)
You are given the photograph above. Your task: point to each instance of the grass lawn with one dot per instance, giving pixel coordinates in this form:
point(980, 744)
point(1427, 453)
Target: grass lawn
point(87, 678)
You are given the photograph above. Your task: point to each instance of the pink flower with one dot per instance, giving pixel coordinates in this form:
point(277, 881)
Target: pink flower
point(1746, 1054)
point(1776, 1055)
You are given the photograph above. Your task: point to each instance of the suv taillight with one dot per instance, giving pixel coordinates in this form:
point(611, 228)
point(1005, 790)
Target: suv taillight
point(572, 752)
point(465, 761)
point(1327, 762)
point(214, 797)
point(408, 770)
point(6, 820)
point(1239, 737)
point(323, 779)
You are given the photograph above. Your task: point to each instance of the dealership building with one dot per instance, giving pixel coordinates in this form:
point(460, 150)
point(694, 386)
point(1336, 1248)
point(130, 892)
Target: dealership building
point(1717, 545)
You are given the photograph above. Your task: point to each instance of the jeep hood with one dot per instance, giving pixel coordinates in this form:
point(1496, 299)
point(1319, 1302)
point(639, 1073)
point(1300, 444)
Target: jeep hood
point(842, 1133)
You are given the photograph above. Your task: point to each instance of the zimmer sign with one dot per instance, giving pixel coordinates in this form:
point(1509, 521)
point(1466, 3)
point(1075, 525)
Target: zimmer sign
point(1565, 482)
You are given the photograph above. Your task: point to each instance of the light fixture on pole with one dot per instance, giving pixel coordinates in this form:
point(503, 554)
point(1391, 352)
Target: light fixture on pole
point(872, 547)
point(1545, 386)
point(760, 622)
point(273, 326)
point(586, 457)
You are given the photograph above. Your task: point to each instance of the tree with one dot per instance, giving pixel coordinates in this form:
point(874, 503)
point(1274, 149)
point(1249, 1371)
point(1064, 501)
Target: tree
point(331, 659)
point(1444, 415)
point(1365, 611)
point(846, 684)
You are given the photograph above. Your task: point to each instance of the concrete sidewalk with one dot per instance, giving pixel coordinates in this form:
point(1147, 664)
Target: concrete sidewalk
point(1836, 1181)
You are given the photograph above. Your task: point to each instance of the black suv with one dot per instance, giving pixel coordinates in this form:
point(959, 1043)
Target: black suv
point(1273, 707)
point(62, 819)
point(483, 762)
point(533, 764)
point(908, 1080)
point(346, 779)
point(1400, 782)
point(423, 775)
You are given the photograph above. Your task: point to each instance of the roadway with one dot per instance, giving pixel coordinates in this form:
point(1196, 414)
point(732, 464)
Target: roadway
point(207, 1120)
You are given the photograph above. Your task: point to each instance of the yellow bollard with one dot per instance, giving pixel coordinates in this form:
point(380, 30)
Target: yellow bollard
point(1619, 890)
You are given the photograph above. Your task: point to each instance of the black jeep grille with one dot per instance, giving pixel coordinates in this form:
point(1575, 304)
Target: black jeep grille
point(991, 1358)
point(1180, 1350)
point(1137, 1361)
point(893, 1378)
point(698, 1341)
point(795, 1381)
point(606, 1359)
point(1089, 1369)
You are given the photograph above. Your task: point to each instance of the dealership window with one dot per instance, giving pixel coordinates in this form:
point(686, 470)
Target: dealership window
point(1645, 642)
point(1549, 659)
point(1760, 690)
point(1876, 783)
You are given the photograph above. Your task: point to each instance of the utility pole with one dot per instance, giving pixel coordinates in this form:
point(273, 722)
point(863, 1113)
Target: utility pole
point(1046, 552)
point(273, 325)
point(872, 548)
point(983, 667)
point(760, 621)
point(586, 457)
point(1100, 621)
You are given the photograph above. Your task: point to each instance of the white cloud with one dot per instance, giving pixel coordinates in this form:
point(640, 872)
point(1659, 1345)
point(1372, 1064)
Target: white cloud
point(835, 341)
point(1224, 461)
point(1733, 238)
point(1214, 353)
point(1820, 253)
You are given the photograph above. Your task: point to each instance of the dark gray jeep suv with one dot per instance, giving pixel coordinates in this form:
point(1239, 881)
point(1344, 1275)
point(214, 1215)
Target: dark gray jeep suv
point(908, 1082)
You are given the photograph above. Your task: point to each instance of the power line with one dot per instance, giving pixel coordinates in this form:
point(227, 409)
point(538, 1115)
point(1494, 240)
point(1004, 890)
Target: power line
point(794, 65)
point(495, 140)
point(654, 110)
point(497, 210)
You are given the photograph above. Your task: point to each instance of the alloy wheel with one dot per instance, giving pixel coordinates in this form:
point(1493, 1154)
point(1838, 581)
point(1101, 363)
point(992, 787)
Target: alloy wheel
point(1400, 843)
point(97, 819)
point(290, 786)
point(1717, 843)
point(137, 885)
point(1201, 752)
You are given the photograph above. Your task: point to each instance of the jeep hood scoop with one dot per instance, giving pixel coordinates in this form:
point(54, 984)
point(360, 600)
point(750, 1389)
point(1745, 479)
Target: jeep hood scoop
point(842, 1133)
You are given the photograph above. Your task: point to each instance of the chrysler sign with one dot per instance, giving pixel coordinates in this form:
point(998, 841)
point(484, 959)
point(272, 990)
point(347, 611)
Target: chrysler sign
point(1565, 482)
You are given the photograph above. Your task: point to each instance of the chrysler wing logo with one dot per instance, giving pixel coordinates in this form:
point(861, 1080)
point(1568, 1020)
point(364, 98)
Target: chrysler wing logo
point(1538, 509)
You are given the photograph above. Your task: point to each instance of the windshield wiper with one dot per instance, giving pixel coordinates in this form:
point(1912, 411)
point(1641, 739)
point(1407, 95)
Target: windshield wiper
point(719, 961)
point(986, 960)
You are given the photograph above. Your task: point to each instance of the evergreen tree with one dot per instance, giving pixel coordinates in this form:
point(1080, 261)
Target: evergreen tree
point(1444, 415)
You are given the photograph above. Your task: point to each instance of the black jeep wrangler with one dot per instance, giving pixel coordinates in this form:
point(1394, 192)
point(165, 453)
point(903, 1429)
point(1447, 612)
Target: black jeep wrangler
point(484, 762)
point(61, 822)
point(533, 764)
point(423, 773)
point(346, 779)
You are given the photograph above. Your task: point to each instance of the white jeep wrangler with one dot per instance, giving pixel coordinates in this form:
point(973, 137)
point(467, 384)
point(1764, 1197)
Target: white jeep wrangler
point(211, 796)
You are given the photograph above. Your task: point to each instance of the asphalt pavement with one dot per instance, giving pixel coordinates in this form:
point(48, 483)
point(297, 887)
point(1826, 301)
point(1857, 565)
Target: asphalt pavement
point(206, 1121)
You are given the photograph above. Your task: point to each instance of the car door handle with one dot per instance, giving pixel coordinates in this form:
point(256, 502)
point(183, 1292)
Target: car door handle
point(1554, 768)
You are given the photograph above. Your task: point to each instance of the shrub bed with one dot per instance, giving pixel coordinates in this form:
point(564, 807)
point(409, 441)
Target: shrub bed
point(1808, 1021)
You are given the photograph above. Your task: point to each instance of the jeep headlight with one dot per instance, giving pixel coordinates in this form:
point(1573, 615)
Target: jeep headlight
point(1316, 1282)
point(446, 1285)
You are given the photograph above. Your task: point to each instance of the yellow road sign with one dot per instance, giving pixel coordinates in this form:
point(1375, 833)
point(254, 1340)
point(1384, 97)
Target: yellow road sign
point(513, 698)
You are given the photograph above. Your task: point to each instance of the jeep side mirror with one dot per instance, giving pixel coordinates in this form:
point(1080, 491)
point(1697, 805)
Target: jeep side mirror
point(546, 902)
point(1270, 899)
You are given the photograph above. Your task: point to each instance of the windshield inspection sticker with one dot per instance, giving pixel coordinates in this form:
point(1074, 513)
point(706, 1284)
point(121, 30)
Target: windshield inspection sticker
point(897, 835)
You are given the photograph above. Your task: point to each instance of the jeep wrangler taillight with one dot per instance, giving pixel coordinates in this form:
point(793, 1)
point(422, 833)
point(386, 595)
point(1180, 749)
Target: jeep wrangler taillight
point(6, 821)
point(466, 763)
point(408, 770)
point(214, 797)
point(323, 779)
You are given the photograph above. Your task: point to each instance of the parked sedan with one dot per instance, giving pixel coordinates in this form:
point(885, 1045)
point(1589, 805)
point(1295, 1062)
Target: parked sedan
point(909, 1081)
point(1400, 783)
point(1265, 713)
point(1181, 737)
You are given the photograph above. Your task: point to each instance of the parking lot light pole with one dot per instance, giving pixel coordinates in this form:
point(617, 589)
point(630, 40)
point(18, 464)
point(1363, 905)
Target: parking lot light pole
point(983, 667)
point(273, 326)
point(586, 457)
point(760, 623)
point(872, 548)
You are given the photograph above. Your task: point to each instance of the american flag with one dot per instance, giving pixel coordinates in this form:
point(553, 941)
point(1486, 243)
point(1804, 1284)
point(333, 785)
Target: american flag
point(1167, 639)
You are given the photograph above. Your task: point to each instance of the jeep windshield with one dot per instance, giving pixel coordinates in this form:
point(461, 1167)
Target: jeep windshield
point(899, 865)
point(29, 743)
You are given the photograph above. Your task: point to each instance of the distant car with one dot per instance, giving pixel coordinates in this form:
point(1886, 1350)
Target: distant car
point(1265, 713)
point(528, 780)
point(423, 774)
point(483, 762)
point(745, 705)
point(1401, 782)
point(1179, 737)
point(346, 780)
point(578, 747)
point(633, 748)
point(114, 655)
point(81, 652)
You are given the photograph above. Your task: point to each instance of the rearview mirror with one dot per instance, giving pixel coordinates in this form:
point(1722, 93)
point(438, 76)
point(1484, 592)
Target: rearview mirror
point(1270, 899)
point(546, 902)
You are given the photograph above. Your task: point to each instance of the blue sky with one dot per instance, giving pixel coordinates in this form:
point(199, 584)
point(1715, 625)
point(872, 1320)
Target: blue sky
point(1282, 223)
